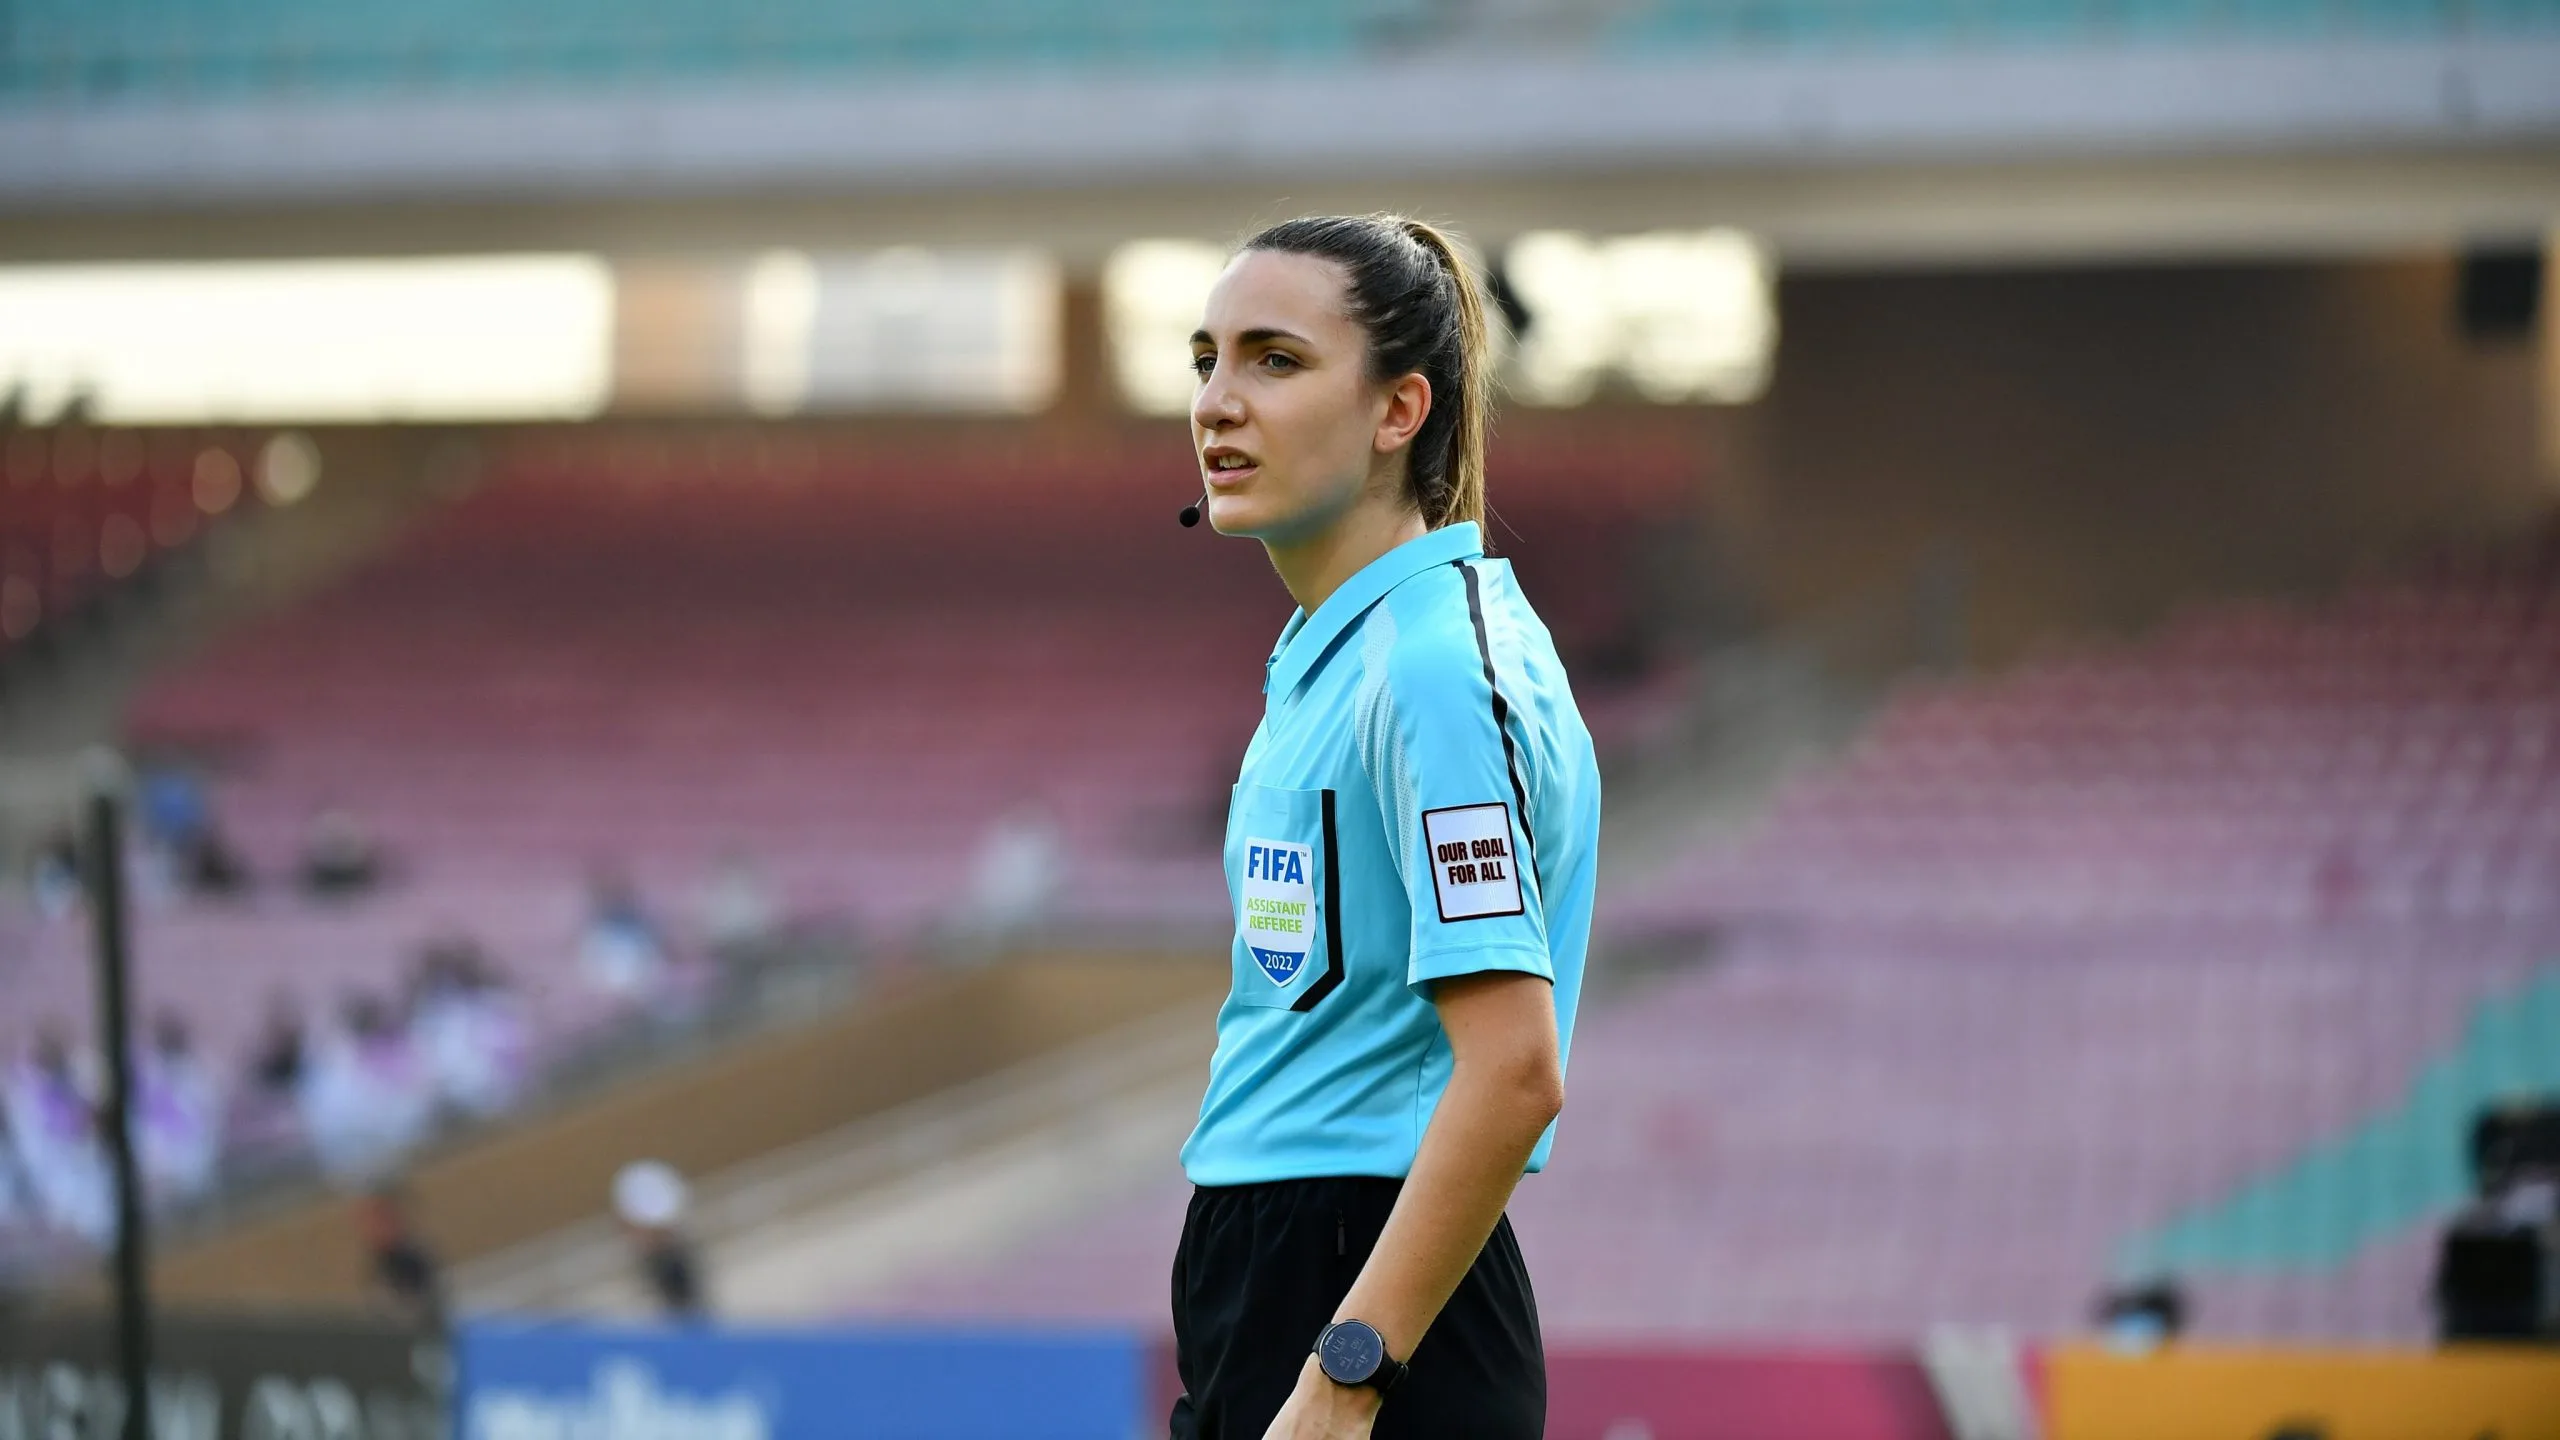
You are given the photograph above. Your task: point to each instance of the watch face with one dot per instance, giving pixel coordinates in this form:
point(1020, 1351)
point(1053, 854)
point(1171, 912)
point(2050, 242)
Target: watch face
point(1351, 1352)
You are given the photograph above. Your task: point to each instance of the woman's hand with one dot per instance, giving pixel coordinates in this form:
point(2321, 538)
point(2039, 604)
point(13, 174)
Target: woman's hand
point(1319, 1409)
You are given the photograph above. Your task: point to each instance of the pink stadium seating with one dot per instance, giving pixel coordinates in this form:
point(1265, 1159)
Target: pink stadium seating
point(848, 657)
point(2043, 961)
point(81, 509)
point(1864, 1133)
point(2394, 755)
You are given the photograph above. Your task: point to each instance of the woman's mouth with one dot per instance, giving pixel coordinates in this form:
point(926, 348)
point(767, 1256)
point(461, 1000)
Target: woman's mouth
point(1225, 472)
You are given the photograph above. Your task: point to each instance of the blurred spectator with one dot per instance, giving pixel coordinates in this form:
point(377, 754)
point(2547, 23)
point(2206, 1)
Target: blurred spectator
point(266, 1102)
point(2515, 1140)
point(210, 867)
point(53, 1117)
point(275, 1065)
point(178, 1114)
point(649, 1199)
point(56, 877)
point(2495, 1265)
point(339, 856)
point(621, 952)
point(179, 823)
point(469, 1029)
point(1014, 876)
point(737, 910)
point(2138, 1319)
point(403, 1270)
point(366, 1098)
point(173, 808)
point(17, 1202)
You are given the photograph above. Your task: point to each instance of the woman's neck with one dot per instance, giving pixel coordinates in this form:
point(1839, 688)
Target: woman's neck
point(1315, 567)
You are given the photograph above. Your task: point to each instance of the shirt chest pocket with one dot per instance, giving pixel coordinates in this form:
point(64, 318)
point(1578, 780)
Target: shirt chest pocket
point(1283, 872)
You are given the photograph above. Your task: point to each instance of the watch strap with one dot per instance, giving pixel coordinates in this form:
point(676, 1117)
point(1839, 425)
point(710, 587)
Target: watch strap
point(1391, 1373)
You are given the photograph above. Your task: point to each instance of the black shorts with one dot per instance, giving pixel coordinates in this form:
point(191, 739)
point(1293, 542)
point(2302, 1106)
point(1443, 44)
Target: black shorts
point(1259, 1273)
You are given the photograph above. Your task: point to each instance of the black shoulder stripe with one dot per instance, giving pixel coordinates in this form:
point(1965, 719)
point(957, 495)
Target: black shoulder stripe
point(1501, 712)
point(1331, 979)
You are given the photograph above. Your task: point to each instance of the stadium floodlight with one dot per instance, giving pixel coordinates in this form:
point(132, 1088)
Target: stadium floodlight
point(949, 330)
point(904, 328)
point(781, 316)
point(1683, 315)
point(288, 467)
point(217, 480)
point(496, 337)
point(122, 546)
point(1563, 281)
point(1153, 293)
point(1699, 314)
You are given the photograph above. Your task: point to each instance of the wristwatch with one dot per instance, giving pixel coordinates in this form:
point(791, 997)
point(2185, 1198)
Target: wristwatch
point(1352, 1352)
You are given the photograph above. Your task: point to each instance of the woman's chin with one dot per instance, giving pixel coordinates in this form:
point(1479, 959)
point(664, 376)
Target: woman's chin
point(1257, 512)
point(1245, 516)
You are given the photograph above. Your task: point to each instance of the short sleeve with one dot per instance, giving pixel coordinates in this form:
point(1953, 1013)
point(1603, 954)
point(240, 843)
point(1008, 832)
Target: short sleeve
point(1451, 794)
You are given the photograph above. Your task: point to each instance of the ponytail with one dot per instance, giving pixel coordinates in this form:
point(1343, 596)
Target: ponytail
point(1472, 395)
point(1410, 289)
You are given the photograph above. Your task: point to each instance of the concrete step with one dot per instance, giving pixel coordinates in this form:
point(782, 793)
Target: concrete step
point(811, 1230)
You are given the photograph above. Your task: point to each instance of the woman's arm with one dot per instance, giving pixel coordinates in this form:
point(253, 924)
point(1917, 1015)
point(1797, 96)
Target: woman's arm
point(1505, 1088)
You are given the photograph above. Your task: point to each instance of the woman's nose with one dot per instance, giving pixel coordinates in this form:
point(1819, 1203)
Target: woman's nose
point(1215, 406)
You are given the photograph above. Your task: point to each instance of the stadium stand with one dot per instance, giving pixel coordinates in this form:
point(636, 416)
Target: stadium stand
point(626, 656)
point(2191, 957)
point(86, 510)
point(1946, 987)
point(919, 1065)
point(2392, 755)
point(1869, 1135)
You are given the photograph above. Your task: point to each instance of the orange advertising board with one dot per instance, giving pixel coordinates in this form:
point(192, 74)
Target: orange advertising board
point(2208, 1393)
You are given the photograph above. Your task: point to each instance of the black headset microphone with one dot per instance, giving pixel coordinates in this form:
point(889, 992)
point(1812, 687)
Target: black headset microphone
point(1192, 512)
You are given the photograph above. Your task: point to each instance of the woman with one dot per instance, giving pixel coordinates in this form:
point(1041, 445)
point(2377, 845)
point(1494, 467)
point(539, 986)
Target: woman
point(1411, 851)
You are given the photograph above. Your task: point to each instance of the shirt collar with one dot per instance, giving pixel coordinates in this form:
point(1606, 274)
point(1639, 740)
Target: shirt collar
point(1307, 637)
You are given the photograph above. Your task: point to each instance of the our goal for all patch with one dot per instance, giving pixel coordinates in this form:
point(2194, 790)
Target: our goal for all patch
point(1475, 867)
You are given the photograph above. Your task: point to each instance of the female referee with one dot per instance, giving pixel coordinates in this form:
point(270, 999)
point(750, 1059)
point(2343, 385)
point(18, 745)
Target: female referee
point(1411, 851)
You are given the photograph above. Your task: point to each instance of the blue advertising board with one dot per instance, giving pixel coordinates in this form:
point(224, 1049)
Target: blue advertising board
point(578, 1381)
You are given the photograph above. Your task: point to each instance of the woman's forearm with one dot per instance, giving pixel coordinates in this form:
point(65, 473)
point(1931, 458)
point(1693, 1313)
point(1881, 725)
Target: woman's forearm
point(1471, 1158)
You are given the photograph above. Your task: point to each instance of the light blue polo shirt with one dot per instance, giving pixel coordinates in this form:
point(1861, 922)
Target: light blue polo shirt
point(1420, 801)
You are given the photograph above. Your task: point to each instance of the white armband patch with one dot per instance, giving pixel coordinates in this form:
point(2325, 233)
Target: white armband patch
point(1474, 864)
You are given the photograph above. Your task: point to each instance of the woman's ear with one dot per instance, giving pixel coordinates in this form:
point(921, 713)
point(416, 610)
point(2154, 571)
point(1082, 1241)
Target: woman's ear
point(1408, 405)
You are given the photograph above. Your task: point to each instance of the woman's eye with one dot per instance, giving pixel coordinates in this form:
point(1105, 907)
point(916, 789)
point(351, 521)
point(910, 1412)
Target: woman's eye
point(1277, 361)
point(1201, 365)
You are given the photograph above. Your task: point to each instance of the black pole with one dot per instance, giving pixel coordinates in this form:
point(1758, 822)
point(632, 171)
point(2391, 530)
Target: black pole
point(105, 859)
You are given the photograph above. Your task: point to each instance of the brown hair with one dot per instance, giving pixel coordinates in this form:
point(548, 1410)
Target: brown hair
point(1412, 292)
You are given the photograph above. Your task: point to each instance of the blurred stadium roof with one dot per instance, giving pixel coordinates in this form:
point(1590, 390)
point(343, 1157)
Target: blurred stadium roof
point(1842, 128)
